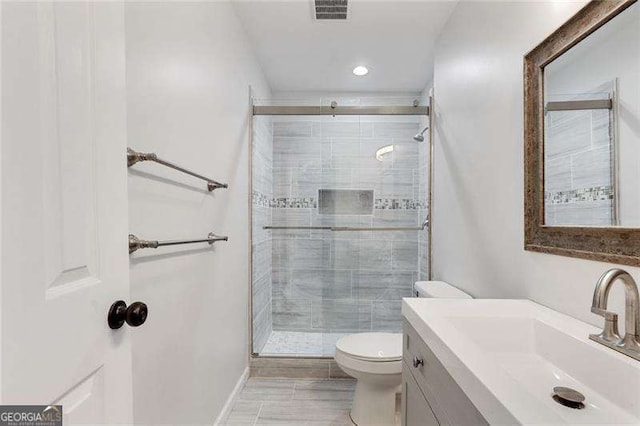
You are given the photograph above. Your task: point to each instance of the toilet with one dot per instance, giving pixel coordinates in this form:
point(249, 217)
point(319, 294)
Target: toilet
point(375, 361)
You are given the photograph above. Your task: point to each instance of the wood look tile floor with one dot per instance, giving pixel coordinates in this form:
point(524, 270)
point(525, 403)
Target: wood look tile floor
point(289, 402)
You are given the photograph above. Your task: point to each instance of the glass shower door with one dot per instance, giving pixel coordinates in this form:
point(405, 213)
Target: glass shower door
point(324, 268)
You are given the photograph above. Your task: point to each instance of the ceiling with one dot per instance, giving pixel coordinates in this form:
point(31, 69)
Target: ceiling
point(394, 39)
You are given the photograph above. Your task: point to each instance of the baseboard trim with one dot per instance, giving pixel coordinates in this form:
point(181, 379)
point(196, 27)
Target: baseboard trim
point(228, 406)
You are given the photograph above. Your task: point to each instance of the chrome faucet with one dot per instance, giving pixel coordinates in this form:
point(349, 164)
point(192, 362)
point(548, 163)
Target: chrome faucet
point(610, 337)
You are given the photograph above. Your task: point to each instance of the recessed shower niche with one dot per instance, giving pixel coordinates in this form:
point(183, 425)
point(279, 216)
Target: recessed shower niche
point(338, 207)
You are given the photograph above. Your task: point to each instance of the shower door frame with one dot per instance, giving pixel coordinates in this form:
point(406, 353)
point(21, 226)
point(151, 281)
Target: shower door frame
point(255, 110)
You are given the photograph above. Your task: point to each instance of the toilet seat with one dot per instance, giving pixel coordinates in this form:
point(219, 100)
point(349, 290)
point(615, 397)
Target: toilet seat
point(353, 366)
point(372, 347)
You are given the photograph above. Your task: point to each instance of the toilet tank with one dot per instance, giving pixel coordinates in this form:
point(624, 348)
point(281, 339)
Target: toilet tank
point(439, 290)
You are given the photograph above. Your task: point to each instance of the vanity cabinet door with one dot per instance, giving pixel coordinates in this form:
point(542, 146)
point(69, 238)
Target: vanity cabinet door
point(448, 401)
point(416, 411)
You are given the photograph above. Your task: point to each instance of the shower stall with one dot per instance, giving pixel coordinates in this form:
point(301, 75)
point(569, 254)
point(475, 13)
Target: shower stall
point(340, 193)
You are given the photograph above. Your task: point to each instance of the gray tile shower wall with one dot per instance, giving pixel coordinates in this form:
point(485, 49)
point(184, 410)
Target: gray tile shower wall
point(262, 239)
point(325, 281)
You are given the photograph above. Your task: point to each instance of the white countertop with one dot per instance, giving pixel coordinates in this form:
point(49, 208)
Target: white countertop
point(507, 355)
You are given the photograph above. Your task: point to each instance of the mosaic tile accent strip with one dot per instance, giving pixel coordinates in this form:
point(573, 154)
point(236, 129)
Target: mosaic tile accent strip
point(261, 200)
point(312, 203)
point(399, 204)
point(294, 203)
point(597, 193)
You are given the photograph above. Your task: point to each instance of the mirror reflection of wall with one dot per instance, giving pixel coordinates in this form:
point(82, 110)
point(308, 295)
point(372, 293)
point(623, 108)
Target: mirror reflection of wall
point(580, 159)
point(592, 128)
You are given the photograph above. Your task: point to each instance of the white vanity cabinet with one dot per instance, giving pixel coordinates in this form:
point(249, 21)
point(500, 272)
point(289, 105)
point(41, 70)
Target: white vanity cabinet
point(430, 396)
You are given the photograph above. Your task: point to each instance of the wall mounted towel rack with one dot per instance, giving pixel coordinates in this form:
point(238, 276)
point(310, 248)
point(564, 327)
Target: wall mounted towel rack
point(134, 157)
point(352, 228)
point(135, 243)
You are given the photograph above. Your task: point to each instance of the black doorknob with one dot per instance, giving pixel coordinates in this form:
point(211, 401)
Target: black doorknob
point(135, 314)
point(417, 362)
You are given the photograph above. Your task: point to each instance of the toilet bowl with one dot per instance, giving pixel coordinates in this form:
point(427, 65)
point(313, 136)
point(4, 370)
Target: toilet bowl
point(375, 361)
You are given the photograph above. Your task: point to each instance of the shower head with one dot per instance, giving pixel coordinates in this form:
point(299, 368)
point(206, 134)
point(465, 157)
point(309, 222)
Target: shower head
point(420, 136)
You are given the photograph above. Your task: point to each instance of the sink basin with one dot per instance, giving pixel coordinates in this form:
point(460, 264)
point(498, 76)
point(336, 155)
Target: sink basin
point(508, 355)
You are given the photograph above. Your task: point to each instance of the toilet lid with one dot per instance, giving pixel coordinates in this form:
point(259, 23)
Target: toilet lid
point(372, 346)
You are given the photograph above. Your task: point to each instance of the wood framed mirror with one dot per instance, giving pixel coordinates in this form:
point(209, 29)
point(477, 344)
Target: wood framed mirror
point(582, 136)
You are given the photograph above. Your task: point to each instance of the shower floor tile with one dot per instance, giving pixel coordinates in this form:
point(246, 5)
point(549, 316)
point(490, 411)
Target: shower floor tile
point(297, 343)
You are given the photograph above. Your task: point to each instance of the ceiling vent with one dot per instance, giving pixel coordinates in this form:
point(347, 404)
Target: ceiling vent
point(331, 9)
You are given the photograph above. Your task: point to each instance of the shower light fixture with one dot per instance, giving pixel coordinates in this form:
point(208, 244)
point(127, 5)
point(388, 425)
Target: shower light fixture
point(382, 151)
point(360, 70)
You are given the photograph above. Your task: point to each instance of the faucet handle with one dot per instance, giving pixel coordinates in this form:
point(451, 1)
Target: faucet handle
point(610, 331)
point(607, 315)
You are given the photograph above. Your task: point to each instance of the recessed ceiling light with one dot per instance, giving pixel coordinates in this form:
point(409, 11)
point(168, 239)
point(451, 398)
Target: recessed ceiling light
point(360, 70)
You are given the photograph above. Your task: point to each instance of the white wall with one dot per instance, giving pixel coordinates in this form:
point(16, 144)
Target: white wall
point(478, 224)
point(189, 67)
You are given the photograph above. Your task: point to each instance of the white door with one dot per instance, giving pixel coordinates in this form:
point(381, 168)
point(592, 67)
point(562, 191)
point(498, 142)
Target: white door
point(64, 209)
